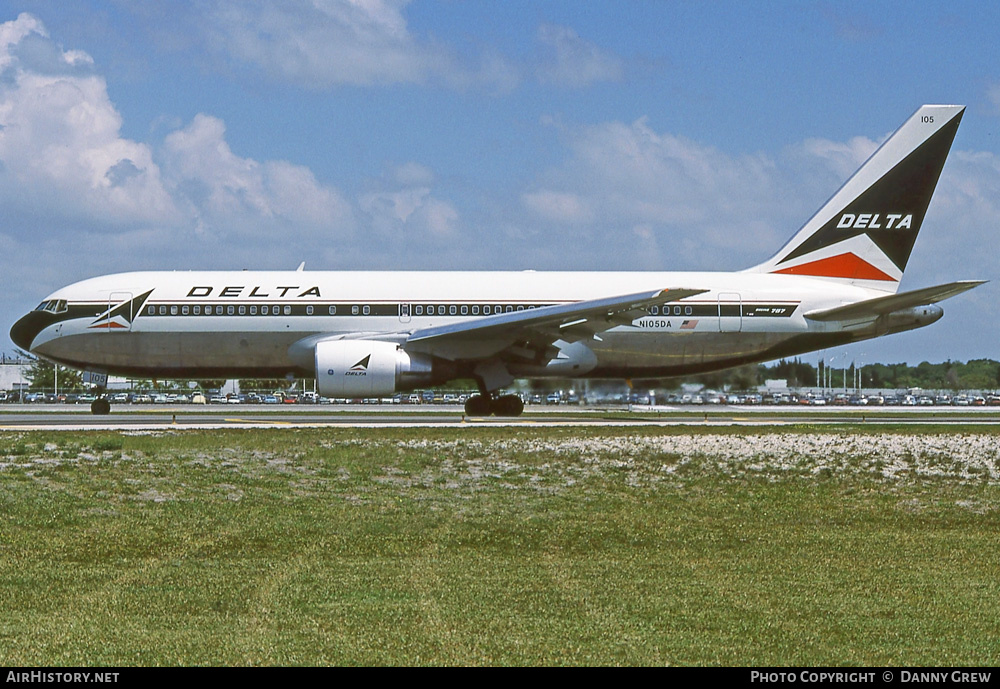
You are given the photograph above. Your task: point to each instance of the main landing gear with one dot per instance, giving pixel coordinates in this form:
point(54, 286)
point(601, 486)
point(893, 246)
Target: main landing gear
point(100, 406)
point(503, 405)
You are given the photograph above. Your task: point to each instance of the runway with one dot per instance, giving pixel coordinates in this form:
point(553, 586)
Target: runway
point(186, 417)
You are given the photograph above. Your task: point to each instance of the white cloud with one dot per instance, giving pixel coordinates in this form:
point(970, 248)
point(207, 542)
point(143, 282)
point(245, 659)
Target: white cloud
point(961, 238)
point(439, 218)
point(560, 207)
point(842, 158)
point(568, 60)
point(63, 158)
point(319, 44)
point(406, 212)
point(235, 195)
point(621, 176)
point(496, 72)
point(13, 32)
point(60, 143)
point(325, 42)
point(412, 174)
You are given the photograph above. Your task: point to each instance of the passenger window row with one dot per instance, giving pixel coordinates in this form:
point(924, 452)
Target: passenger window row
point(655, 310)
point(334, 309)
point(469, 309)
point(225, 310)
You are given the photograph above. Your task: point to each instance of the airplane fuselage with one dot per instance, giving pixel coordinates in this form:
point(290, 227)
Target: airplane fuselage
point(245, 324)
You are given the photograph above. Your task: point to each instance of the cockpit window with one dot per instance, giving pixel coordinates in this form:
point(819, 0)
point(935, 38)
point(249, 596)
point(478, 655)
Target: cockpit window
point(53, 306)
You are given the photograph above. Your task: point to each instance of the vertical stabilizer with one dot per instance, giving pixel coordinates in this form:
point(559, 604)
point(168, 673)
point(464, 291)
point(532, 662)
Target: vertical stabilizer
point(864, 234)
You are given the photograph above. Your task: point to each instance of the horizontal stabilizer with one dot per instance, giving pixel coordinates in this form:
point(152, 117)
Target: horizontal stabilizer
point(894, 302)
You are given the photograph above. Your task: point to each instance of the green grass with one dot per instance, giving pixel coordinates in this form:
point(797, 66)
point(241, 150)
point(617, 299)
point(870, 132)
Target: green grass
point(496, 546)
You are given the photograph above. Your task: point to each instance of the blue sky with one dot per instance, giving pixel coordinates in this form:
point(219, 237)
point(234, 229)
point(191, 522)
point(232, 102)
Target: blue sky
point(470, 135)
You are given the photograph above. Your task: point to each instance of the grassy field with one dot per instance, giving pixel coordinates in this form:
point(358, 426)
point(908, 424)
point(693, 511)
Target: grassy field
point(479, 546)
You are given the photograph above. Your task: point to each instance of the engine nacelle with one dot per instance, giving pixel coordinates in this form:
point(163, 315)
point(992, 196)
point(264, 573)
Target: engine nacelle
point(368, 368)
point(909, 319)
point(570, 359)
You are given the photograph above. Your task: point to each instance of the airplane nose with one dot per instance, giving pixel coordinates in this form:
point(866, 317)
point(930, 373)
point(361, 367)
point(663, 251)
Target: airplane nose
point(26, 329)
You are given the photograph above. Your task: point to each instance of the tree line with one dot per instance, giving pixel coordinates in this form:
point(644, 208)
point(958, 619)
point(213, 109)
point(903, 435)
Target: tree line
point(977, 374)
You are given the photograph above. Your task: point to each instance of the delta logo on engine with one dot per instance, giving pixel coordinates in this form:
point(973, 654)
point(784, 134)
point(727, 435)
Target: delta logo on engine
point(360, 368)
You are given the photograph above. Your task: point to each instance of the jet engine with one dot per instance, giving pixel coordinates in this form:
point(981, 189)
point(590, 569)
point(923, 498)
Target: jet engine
point(368, 368)
point(909, 319)
point(569, 359)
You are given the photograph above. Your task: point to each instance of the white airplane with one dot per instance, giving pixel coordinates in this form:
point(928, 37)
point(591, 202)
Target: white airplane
point(369, 334)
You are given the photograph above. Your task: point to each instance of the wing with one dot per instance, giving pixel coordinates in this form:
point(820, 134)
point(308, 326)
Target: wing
point(872, 308)
point(481, 338)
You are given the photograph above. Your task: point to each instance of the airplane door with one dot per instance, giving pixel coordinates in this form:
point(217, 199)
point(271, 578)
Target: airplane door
point(404, 313)
point(122, 322)
point(730, 312)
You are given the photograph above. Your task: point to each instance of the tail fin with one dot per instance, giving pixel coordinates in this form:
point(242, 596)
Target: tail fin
point(864, 234)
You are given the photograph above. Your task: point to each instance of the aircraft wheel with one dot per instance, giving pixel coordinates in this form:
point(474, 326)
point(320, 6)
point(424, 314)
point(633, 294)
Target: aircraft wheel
point(100, 406)
point(508, 405)
point(478, 405)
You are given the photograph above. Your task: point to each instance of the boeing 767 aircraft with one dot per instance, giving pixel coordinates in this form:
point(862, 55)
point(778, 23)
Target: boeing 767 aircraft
point(368, 334)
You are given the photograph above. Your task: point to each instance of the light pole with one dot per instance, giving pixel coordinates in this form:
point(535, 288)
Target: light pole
point(857, 372)
point(829, 375)
point(844, 355)
point(828, 383)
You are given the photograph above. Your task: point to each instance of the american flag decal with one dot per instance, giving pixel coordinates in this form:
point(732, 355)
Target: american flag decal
point(689, 325)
